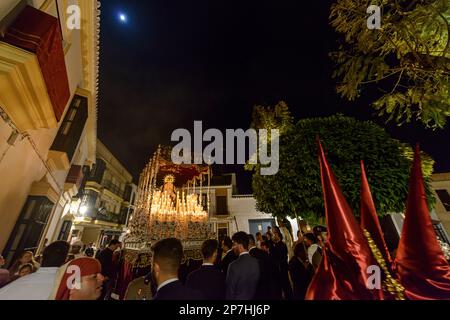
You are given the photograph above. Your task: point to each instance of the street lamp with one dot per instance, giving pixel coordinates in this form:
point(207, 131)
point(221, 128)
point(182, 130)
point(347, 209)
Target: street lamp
point(83, 210)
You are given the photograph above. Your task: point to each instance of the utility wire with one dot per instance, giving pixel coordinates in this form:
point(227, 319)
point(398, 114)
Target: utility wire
point(26, 135)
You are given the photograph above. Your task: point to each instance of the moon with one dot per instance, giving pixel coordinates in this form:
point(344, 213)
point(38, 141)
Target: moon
point(123, 17)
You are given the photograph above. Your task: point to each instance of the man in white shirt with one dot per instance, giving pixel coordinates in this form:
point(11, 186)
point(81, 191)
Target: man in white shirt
point(39, 285)
point(311, 243)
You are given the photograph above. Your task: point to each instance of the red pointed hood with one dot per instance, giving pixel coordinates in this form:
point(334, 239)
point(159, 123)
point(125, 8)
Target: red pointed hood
point(420, 263)
point(342, 274)
point(369, 217)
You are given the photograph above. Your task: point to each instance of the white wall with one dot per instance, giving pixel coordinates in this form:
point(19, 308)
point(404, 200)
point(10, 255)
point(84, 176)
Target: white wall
point(244, 209)
point(440, 210)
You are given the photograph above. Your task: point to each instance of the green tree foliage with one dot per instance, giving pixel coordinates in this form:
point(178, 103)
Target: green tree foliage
point(296, 190)
point(408, 58)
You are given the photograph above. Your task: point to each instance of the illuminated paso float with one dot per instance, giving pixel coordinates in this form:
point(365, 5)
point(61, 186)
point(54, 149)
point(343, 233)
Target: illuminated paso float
point(172, 202)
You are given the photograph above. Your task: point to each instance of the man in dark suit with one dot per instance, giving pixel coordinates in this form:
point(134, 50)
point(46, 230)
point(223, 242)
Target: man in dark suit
point(208, 280)
point(279, 254)
point(269, 287)
point(230, 256)
point(167, 257)
point(108, 271)
point(243, 273)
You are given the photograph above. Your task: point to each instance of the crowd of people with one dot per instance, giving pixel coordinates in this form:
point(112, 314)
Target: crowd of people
point(243, 267)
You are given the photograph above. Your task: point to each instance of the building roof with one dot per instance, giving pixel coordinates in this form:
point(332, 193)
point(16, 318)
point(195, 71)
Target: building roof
point(440, 177)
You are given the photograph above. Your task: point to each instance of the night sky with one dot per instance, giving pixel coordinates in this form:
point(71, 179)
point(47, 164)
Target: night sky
point(176, 61)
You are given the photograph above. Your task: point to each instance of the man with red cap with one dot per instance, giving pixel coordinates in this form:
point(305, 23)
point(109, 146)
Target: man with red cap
point(80, 279)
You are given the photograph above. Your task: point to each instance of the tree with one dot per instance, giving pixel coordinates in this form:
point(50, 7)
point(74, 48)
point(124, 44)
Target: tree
point(296, 189)
point(408, 58)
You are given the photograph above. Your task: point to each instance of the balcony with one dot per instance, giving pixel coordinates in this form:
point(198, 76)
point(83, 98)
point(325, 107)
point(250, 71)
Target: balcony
point(113, 188)
point(110, 217)
point(74, 179)
point(32, 68)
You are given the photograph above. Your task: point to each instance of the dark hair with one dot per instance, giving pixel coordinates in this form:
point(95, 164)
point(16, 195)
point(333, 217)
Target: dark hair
point(113, 242)
point(168, 254)
point(228, 242)
point(241, 238)
point(258, 234)
point(311, 237)
point(264, 244)
point(55, 254)
point(269, 227)
point(317, 230)
point(251, 239)
point(278, 231)
point(264, 238)
point(300, 251)
point(27, 265)
point(209, 247)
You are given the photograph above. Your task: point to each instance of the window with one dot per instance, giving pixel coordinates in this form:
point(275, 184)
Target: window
point(221, 205)
point(445, 198)
point(72, 127)
point(29, 227)
point(204, 200)
point(65, 230)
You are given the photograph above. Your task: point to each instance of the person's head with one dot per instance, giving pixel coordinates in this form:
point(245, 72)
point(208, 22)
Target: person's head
point(258, 236)
point(251, 241)
point(300, 252)
point(76, 247)
point(265, 246)
point(167, 257)
point(55, 254)
point(2, 261)
point(26, 257)
point(277, 235)
point(240, 242)
point(209, 250)
point(309, 239)
point(269, 229)
point(25, 269)
point(114, 244)
point(89, 286)
point(227, 244)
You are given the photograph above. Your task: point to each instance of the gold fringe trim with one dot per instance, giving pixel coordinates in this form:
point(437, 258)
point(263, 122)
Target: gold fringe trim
point(391, 285)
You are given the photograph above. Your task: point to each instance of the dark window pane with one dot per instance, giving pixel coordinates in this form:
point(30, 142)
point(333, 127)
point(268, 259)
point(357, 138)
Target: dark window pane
point(221, 205)
point(18, 237)
point(445, 198)
point(29, 227)
point(72, 127)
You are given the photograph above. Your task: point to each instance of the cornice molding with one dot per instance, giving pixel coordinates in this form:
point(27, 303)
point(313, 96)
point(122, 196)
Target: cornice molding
point(24, 94)
point(90, 48)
